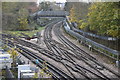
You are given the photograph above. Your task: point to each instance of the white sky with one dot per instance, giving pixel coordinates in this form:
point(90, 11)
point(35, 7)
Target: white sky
point(53, 0)
point(60, 0)
point(83, 0)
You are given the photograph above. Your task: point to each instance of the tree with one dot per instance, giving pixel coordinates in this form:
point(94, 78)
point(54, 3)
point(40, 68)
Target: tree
point(36, 75)
point(23, 23)
point(45, 6)
point(14, 54)
point(15, 15)
point(103, 18)
point(72, 14)
point(22, 19)
point(80, 9)
point(8, 7)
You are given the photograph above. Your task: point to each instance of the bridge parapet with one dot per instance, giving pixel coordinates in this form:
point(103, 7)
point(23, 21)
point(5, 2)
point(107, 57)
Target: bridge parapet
point(50, 14)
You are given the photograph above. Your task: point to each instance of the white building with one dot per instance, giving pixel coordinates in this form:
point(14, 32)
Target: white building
point(5, 60)
point(25, 72)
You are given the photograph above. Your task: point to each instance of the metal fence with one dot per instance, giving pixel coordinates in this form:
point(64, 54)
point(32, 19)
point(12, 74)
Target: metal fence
point(94, 35)
point(73, 26)
point(96, 46)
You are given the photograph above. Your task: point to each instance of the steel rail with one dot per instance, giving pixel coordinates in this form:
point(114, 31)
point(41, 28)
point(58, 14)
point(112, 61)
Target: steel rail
point(74, 48)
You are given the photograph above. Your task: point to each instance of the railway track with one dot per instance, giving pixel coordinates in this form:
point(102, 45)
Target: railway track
point(48, 36)
point(75, 49)
point(56, 50)
point(32, 56)
point(34, 46)
point(66, 57)
point(50, 45)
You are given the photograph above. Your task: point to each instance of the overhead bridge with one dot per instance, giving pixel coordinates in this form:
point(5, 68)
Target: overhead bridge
point(50, 14)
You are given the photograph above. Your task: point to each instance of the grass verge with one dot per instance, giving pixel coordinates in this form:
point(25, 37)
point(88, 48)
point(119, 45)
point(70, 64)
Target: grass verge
point(29, 33)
